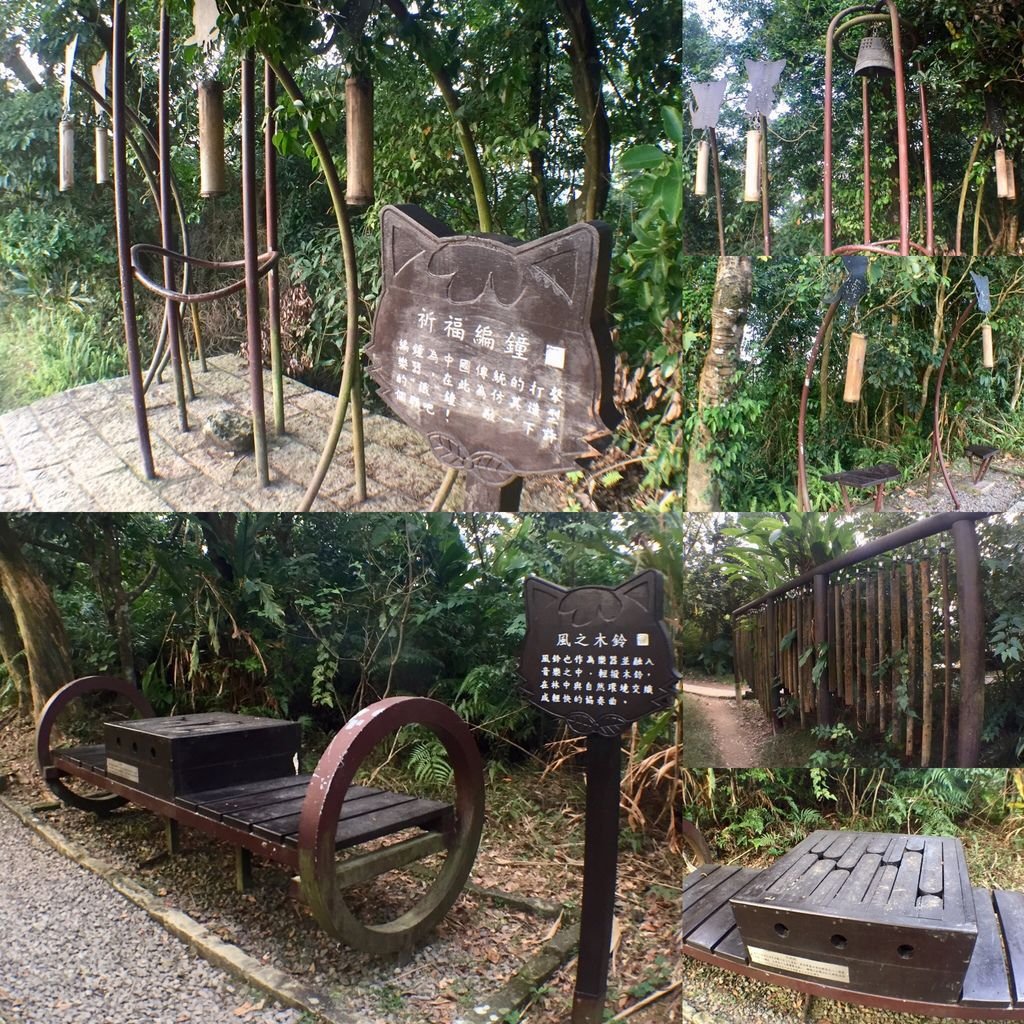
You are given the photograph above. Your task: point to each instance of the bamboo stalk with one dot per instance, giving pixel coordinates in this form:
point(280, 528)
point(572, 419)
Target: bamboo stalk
point(858, 649)
point(66, 157)
point(987, 351)
point(871, 704)
point(855, 368)
point(848, 673)
point(911, 659)
point(212, 178)
point(700, 184)
point(835, 673)
point(883, 703)
point(926, 664)
point(102, 140)
point(359, 141)
point(896, 600)
point(752, 168)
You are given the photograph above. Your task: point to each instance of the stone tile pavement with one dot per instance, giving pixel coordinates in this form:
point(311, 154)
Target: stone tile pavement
point(77, 452)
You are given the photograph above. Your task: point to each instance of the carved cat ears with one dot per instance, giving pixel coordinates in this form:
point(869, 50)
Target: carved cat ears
point(587, 605)
point(421, 251)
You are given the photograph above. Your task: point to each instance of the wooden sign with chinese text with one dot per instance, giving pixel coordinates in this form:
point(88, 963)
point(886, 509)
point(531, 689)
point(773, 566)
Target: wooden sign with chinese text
point(599, 657)
point(497, 351)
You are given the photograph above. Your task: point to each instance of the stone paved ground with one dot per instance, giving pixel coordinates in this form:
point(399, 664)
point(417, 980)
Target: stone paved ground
point(78, 452)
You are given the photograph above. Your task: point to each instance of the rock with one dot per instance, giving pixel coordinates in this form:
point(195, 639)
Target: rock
point(229, 430)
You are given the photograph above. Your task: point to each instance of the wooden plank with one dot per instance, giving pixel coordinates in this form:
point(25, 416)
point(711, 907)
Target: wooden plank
point(824, 841)
point(849, 860)
point(931, 870)
point(956, 891)
point(877, 844)
point(772, 874)
point(710, 932)
point(828, 887)
point(894, 851)
point(732, 947)
point(707, 883)
point(359, 869)
point(701, 909)
point(210, 796)
point(929, 908)
point(987, 981)
point(796, 870)
point(880, 892)
point(859, 881)
point(904, 889)
point(1010, 907)
point(915, 843)
point(839, 845)
point(698, 875)
point(278, 816)
point(254, 798)
point(803, 885)
point(417, 814)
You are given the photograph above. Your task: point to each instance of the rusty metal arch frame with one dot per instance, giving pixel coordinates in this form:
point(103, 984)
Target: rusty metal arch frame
point(318, 822)
point(860, 14)
point(51, 712)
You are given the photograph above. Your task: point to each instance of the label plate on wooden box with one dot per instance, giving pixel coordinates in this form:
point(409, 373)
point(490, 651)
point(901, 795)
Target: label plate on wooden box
point(799, 964)
point(122, 770)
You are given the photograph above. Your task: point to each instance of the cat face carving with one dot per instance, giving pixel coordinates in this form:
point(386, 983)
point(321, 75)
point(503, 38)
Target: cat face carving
point(496, 350)
point(598, 657)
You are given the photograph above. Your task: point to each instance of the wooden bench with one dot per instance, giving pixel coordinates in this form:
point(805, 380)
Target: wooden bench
point(875, 477)
point(984, 453)
point(298, 820)
point(881, 920)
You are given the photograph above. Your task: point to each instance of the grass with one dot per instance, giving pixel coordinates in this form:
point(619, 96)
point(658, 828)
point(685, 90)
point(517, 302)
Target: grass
point(790, 748)
point(699, 748)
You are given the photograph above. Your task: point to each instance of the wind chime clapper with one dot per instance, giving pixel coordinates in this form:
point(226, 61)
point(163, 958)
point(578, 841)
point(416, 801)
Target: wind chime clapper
point(984, 300)
point(851, 291)
point(764, 78)
point(877, 58)
point(704, 112)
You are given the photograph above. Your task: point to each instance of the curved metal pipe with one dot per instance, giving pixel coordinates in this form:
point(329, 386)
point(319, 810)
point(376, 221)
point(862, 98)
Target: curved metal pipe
point(803, 498)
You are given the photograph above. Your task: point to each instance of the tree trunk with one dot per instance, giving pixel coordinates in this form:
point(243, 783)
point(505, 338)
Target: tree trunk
point(13, 656)
point(539, 57)
point(47, 651)
point(733, 286)
point(585, 58)
point(106, 567)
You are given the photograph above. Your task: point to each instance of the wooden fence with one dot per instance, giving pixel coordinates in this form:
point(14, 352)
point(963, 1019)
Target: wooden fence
point(891, 633)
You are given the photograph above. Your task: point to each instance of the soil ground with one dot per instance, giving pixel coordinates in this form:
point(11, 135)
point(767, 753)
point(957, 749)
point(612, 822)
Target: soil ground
point(738, 729)
point(532, 847)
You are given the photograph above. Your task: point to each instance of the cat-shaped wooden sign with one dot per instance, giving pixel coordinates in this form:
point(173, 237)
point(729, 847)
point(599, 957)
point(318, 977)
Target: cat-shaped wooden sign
point(599, 657)
point(496, 350)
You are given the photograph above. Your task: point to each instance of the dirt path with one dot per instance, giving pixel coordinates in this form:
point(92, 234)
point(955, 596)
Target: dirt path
point(739, 732)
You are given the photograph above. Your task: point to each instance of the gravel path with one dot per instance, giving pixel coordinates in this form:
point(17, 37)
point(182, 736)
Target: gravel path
point(73, 951)
point(738, 730)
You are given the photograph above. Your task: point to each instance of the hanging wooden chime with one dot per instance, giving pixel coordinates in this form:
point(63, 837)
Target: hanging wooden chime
point(102, 137)
point(700, 185)
point(855, 367)
point(987, 351)
point(1004, 176)
point(66, 156)
point(359, 140)
point(212, 180)
point(752, 168)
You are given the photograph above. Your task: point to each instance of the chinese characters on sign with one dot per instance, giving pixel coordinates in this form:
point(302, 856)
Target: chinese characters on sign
point(598, 657)
point(497, 352)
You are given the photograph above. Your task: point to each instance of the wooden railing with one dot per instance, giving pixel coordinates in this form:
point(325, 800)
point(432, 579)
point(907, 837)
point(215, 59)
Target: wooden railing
point(891, 633)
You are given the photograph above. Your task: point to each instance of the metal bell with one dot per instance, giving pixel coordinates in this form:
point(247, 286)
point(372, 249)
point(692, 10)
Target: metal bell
point(874, 57)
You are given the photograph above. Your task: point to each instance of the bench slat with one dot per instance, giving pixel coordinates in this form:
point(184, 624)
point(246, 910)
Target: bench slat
point(986, 982)
point(1010, 906)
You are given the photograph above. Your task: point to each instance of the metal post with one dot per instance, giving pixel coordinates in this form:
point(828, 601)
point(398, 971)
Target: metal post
point(926, 157)
point(252, 286)
point(865, 96)
point(718, 190)
point(124, 263)
point(173, 314)
point(971, 615)
point(485, 497)
point(273, 283)
point(902, 145)
point(599, 870)
point(771, 628)
point(821, 644)
point(766, 220)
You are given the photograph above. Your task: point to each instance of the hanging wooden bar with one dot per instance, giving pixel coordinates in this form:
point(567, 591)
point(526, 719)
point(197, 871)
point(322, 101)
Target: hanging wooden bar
point(359, 140)
point(855, 367)
point(927, 660)
point(947, 658)
point(912, 696)
point(752, 168)
point(988, 359)
point(212, 176)
point(884, 696)
point(700, 184)
point(66, 156)
point(1002, 175)
point(899, 717)
point(102, 139)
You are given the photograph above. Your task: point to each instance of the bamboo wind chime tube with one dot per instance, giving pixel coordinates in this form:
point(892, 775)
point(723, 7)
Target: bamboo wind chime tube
point(66, 157)
point(988, 357)
point(752, 169)
point(855, 367)
point(212, 181)
point(1003, 175)
point(102, 155)
point(700, 185)
point(359, 140)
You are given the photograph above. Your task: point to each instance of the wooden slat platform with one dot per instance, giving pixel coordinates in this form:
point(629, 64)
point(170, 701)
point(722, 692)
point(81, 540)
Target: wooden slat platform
point(993, 986)
point(269, 809)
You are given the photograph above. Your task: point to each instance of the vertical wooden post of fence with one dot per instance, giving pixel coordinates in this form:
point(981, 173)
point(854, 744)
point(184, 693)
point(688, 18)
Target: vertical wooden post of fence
point(912, 707)
point(771, 629)
point(947, 657)
point(822, 648)
point(834, 667)
point(858, 652)
point(848, 676)
point(883, 704)
point(870, 683)
point(926, 664)
point(971, 615)
point(898, 716)
point(794, 659)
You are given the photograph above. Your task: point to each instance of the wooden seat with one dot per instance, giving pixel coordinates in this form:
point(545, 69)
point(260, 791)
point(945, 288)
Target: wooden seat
point(984, 454)
point(866, 478)
point(993, 986)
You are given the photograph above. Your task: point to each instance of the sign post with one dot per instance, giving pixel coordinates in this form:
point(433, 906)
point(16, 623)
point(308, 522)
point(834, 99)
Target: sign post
point(600, 658)
point(496, 350)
